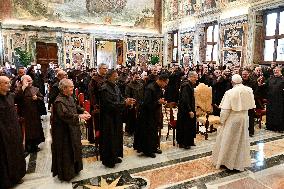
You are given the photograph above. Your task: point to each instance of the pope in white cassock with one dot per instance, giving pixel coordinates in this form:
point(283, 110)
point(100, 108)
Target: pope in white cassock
point(232, 148)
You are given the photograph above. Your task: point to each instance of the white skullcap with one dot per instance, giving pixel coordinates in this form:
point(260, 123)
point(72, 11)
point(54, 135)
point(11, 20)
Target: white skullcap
point(237, 78)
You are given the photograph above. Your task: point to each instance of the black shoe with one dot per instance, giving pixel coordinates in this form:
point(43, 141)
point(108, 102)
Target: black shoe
point(26, 154)
point(152, 155)
point(118, 160)
point(109, 165)
point(187, 147)
point(20, 182)
point(181, 146)
point(250, 135)
point(193, 144)
point(158, 151)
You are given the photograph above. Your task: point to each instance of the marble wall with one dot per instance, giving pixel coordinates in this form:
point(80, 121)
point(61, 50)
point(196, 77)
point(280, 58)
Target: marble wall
point(78, 48)
point(141, 49)
point(240, 27)
point(233, 41)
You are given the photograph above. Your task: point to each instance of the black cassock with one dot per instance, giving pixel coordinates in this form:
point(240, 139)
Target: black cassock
point(172, 90)
point(186, 126)
point(12, 159)
point(111, 130)
point(275, 105)
point(146, 138)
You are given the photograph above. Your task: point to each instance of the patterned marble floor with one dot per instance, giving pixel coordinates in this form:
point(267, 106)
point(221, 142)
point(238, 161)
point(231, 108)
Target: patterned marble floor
point(174, 168)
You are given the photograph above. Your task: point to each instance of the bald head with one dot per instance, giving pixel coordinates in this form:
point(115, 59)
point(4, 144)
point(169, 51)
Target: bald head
point(61, 75)
point(4, 85)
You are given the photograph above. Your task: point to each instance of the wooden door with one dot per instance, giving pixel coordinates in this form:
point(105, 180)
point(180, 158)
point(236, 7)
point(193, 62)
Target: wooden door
point(119, 51)
point(46, 53)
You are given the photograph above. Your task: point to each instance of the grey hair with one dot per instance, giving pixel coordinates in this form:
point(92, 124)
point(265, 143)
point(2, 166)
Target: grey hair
point(64, 83)
point(101, 65)
point(25, 77)
point(192, 73)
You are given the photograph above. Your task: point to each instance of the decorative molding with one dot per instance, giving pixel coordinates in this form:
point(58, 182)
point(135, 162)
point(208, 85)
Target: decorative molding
point(259, 5)
point(241, 18)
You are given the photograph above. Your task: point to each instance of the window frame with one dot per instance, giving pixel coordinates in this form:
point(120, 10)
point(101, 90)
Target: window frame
point(175, 46)
point(276, 35)
point(213, 43)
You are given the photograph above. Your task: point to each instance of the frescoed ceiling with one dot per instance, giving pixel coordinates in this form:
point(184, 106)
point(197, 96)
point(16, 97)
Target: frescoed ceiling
point(129, 13)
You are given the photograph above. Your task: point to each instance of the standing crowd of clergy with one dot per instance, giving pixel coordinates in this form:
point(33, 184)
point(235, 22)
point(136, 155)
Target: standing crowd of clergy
point(134, 96)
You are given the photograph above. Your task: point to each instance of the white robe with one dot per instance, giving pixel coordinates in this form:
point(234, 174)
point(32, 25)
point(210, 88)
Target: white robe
point(232, 148)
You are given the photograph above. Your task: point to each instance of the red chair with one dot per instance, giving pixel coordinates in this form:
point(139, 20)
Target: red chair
point(76, 93)
point(81, 99)
point(87, 106)
point(260, 112)
point(172, 122)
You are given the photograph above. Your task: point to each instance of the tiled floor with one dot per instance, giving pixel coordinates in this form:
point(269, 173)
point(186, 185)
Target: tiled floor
point(174, 168)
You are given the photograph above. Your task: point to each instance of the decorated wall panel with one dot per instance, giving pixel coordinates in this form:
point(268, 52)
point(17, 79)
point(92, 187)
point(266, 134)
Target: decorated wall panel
point(134, 13)
point(141, 49)
point(78, 50)
point(187, 40)
point(27, 41)
point(234, 42)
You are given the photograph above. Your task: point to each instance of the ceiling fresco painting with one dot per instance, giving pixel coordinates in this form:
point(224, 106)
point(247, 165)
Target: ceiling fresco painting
point(131, 13)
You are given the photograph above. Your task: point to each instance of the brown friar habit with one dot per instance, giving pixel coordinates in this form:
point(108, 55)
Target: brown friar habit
point(66, 138)
point(186, 126)
point(134, 89)
point(30, 111)
point(94, 87)
point(12, 159)
point(111, 138)
point(146, 138)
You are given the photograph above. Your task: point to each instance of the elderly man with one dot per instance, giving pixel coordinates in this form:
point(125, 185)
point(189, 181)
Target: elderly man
point(12, 159)
point(66, 136)
point(274, 89)
point(186, 119)
point(232, 148)
point(28, 99)
point(94, 89)
point(54, 90)
point(134, 89)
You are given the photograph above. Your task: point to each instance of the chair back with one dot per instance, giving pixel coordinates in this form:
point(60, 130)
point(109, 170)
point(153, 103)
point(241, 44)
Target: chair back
point(76, 92)
point(87, 106)
point(169, 111)
point(81, 99)
point(203, 99)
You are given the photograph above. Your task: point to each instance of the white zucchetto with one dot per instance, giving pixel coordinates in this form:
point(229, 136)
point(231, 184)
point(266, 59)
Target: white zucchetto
point(237, 79)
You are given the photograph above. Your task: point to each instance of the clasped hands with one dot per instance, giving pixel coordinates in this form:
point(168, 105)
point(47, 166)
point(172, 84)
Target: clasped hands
point(191, 115)
point(85, 116)
point(162, 101)
point(130, 101)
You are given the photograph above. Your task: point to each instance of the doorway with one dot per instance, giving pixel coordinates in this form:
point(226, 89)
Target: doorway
point(109, 52)
point(46, 53)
